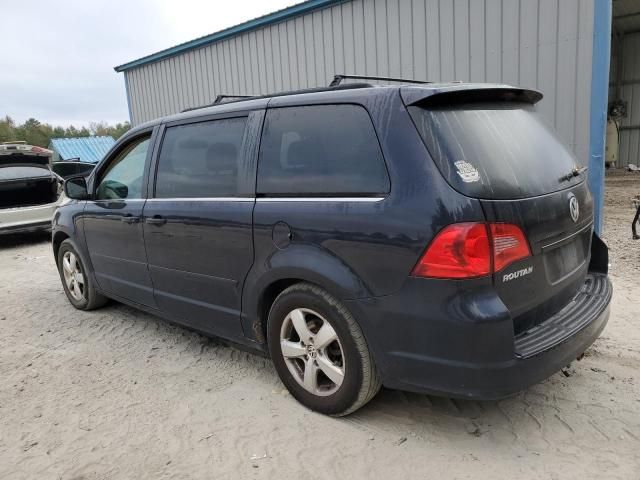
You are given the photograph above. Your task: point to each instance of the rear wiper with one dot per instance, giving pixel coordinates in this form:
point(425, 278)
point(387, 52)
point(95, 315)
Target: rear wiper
point(574, 173)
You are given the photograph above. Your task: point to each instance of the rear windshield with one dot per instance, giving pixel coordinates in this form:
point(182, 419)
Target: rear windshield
point(495, 150)
point(19, 158)
point(17, 172)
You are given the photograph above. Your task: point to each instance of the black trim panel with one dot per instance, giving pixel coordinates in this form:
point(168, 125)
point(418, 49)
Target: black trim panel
point(592, 298)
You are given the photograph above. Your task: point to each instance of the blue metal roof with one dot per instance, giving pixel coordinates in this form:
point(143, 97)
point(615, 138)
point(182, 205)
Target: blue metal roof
point(87, 149)
point(268, 19)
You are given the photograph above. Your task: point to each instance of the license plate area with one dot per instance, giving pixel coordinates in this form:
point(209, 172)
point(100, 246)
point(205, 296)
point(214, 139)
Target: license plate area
point(563, 258)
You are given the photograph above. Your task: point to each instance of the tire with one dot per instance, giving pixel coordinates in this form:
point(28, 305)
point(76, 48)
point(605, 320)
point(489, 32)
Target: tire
point(81, 292)
point(351, 378)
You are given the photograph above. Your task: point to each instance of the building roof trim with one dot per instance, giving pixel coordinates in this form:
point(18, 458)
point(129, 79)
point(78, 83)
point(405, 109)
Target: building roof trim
point(270, 18)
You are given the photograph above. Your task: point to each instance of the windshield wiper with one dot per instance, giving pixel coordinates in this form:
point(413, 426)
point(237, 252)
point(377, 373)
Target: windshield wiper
point(574, 173)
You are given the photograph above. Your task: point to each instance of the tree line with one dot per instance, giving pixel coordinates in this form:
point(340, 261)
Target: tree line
point(37, 133)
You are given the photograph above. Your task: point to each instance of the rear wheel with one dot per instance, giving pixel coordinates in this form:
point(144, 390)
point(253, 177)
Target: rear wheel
point(77, 284)
point(320, 352)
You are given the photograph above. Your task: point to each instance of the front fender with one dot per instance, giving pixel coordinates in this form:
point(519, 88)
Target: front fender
point(67, 223)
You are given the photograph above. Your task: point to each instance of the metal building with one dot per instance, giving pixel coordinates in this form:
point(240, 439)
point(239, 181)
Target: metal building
point(84, 149)
point(560, 47)
point(625, 77)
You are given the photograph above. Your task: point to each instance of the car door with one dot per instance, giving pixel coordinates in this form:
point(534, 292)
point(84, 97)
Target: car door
point(198, 225)
point(113, 222)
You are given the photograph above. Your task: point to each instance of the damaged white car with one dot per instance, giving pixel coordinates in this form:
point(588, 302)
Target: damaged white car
point(29, 190)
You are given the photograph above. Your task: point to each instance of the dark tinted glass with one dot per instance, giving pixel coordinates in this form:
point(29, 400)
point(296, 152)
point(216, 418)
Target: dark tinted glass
point(200, 160)
point(321, 150)
point(495, 150)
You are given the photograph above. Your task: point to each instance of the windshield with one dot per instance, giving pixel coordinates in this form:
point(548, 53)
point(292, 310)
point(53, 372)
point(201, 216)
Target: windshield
point(495, 150)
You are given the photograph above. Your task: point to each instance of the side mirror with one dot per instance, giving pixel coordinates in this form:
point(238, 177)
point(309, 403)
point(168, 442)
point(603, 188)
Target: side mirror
point(76, 188)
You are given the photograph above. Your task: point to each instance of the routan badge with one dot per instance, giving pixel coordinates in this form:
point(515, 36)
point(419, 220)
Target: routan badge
point(468, 173)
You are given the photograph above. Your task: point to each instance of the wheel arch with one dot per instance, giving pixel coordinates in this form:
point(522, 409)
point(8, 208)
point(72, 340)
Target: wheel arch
point(304, 264)
point(265, 301)
point(58, 238)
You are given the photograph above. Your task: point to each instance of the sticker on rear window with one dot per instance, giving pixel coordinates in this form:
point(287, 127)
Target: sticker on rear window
point(467, 172)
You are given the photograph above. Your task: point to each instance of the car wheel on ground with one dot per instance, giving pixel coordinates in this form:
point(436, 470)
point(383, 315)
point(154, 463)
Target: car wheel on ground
point(78, 286)
point(319, 351)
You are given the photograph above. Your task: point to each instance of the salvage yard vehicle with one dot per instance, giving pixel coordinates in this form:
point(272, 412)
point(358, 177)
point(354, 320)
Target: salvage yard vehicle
point(434, 238)
point(72, 168)
point(29, 190)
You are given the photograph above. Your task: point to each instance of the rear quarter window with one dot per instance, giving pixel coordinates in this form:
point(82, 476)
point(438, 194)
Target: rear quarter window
point(324, 150)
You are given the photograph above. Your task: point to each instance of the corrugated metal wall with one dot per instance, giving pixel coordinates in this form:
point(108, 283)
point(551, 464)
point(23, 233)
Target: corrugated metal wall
point(545, 44)
point(629, 151)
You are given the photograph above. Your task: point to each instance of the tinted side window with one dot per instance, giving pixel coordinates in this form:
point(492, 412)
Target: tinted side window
point(200, 160)
point(123, 177)
point(323, 150)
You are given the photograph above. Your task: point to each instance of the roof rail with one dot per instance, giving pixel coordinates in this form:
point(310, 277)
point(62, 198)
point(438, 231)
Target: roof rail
point(244, 98)
point(337, 79)
point(223, 98)
point(228, 98)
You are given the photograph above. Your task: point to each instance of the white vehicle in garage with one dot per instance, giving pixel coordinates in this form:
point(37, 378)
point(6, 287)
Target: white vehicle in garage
point(29, 190)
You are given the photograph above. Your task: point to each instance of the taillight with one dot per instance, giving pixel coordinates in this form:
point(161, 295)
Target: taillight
point(467, 250)
point(39, 150)
point(509, 245)
point(460, 250)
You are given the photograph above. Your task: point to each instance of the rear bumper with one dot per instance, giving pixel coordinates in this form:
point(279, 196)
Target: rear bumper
point(27, 219)
point(479, 358)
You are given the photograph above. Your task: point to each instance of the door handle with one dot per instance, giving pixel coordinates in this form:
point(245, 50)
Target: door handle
point(155, 220)
point(130, 218)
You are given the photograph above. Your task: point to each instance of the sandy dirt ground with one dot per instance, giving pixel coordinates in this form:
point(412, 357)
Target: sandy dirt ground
point(117, 393)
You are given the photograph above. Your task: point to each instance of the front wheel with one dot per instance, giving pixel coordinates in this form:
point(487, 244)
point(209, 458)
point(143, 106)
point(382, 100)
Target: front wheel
point(77, 284)
point(319, 351)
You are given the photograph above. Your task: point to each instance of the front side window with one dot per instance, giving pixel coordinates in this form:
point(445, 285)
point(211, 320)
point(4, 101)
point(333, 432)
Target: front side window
point(201, 160)
point(123, 177)
point(324, 150)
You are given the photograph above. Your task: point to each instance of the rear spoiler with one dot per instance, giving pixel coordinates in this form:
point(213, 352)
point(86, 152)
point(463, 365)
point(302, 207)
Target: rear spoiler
point(455, 94)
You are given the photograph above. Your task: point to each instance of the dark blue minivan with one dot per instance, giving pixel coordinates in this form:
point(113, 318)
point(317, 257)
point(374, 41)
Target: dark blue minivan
point(434, 238)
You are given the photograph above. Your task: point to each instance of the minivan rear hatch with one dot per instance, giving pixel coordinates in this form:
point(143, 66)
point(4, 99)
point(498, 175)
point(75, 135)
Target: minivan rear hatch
point(490, 144)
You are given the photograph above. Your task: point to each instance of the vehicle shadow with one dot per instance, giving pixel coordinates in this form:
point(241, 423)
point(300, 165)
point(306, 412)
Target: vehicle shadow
point(13, 240)
point(560, 409)
point(413, 414)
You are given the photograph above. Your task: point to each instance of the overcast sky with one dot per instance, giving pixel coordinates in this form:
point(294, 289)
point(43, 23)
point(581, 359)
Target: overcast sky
point(58, 56)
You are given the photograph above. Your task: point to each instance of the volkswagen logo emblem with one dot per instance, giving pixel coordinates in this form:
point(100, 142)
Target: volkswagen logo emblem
point(574, 207)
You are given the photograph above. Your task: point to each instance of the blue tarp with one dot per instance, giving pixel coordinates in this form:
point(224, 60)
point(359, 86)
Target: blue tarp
point(87, 149)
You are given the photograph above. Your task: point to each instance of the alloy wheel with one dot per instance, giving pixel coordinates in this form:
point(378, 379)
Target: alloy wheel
point(73, 277)
point(312, 351)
